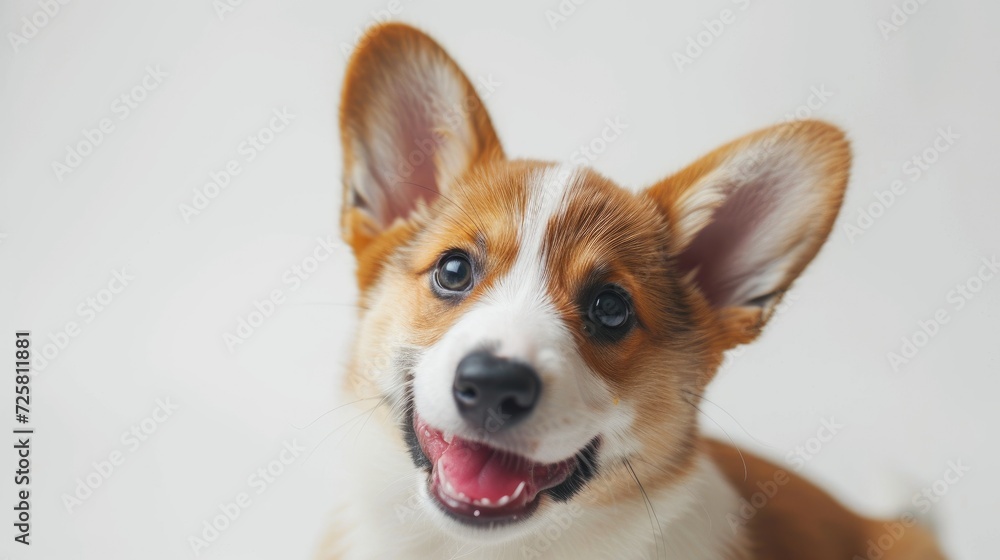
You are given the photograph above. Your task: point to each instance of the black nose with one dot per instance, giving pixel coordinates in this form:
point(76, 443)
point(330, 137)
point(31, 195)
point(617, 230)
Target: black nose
point(494, 393)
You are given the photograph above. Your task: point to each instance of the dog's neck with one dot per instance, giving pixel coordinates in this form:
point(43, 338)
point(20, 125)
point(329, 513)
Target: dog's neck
point(382, 517)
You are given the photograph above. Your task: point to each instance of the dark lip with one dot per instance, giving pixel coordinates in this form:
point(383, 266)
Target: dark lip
point(586, 469)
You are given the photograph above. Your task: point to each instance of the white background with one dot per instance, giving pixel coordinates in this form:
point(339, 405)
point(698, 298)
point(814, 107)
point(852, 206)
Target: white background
point(824, 357)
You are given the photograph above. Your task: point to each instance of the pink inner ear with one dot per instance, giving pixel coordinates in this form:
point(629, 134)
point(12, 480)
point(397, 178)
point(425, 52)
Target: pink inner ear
point(409, 175)
point(735, 252)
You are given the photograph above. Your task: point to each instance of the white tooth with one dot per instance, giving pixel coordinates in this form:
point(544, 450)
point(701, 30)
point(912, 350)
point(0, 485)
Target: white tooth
point(451, 495)
point(503, 501)
point(485, 502)
point(448, 436)
point(450, 491)
point(443, 480)
point(476, 513)
point(517, 492)
point(427, 433)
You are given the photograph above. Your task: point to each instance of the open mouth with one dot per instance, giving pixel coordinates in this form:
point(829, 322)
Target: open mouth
point(480, 485)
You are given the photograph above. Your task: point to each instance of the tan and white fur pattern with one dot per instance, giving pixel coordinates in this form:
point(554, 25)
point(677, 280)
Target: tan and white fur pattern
point(705, 255)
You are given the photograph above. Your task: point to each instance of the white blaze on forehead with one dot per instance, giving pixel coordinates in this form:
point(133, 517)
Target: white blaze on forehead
point(546, 199)
point(522, 294)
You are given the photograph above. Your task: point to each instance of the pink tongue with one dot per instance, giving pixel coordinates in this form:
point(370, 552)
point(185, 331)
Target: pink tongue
point(480, 472)
point(467, 472)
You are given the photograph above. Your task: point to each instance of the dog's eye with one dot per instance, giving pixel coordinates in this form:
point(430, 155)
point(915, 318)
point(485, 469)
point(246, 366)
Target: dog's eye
point(454, 273)
point(610, 314)
point(611, 309)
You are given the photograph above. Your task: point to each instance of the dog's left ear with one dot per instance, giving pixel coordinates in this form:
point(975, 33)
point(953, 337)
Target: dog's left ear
point(410, 124)
point(746, 219)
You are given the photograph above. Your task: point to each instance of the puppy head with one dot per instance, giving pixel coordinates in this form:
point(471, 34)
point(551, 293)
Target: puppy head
point(535, 327)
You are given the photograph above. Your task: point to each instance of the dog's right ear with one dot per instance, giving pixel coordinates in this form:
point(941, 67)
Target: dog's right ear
point(410, 124)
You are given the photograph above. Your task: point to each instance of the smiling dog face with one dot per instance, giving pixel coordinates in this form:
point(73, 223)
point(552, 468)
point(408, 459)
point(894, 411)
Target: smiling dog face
point(541, 334)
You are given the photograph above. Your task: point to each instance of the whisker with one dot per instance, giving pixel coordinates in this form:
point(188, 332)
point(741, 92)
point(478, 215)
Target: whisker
point(654, 521)
point(337, 429)
point(731, 440)
point(372, 413)
point(394, 482)
point(332, 410)
point(457, 555)
point(745, 431)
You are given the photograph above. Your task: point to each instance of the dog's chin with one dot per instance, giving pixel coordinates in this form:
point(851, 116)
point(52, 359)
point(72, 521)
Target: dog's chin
point(477, 488)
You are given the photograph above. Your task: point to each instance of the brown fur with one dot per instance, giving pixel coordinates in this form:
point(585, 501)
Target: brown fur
point(801, 517)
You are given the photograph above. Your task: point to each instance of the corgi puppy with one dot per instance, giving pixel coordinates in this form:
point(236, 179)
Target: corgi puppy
point(534, 339)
